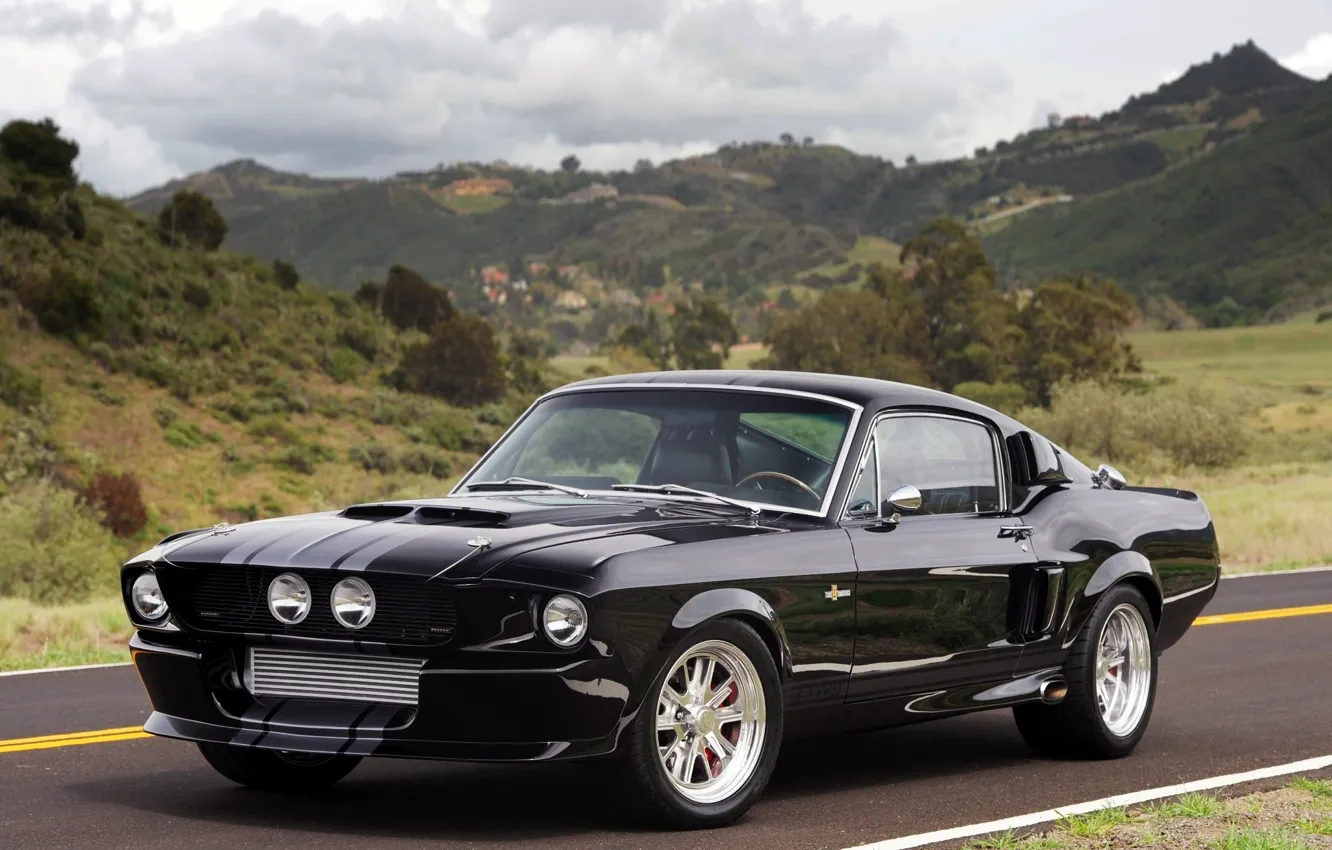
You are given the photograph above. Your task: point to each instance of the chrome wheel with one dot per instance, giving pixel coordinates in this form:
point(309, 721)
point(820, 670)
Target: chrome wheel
point(711, 721)
point(1123, 670)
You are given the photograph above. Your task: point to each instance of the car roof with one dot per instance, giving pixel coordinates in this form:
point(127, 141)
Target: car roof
point(870, 393)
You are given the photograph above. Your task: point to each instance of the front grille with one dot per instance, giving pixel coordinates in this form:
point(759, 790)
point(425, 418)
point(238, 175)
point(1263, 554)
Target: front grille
point(234, 598)
point(310, 675)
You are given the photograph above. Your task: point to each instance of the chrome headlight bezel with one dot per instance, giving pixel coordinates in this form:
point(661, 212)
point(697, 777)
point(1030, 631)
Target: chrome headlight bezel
point(146, 600)
point(355, 596)
point(285, 589)
point(564, 620)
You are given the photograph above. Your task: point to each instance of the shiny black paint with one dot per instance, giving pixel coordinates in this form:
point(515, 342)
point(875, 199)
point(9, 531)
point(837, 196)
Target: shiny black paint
point(652, 569)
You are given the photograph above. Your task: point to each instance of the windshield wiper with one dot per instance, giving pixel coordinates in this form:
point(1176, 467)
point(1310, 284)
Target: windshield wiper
point(515, 482)
point(681, 490)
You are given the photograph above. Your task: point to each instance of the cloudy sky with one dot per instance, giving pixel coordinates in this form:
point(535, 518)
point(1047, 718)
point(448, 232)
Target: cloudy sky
point(156, 88)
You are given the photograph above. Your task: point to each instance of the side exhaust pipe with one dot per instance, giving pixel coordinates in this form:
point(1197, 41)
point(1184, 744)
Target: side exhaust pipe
point(1053, 691)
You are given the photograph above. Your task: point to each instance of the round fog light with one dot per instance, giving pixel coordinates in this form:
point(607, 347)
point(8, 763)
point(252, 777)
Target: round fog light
point(353, 603)
point(146, 596)
point(564, 620)
point(289, 598)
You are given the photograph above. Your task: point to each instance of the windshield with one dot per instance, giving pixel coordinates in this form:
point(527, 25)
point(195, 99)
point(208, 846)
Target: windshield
point(768, 449)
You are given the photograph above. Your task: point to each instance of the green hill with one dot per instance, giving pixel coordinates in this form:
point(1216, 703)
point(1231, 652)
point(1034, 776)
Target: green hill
point(1244, 231)
point(222, 392)
point(752, 219)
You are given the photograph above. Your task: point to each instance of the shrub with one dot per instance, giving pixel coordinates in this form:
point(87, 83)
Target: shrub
point(66, 305)
point(286, 274)
point(184, 435)
point(422, 462)
point(343, 365)
point(410, 301)
point(271, 426)
point(304, 458)
point(192, 216)
point(1324, 316)
point(460, 363)
point(55, 548)
point(165, 414)
point(373, 458)
point(39, 148)
point(20, 212)
point(198, 295)
point(452, 430)
point(118, 499)
point(1178, 424)
point(17, 390)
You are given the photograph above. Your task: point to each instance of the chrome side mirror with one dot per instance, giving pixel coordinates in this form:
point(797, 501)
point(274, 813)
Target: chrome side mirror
point(903, 500)
point(1107, 477)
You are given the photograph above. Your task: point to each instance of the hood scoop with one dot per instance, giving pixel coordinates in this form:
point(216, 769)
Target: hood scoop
point(376, 513)
point(464, 517)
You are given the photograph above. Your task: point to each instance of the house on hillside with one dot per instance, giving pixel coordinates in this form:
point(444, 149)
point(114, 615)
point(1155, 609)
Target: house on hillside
point(571, 300)
point(537, 270)
point(475, 186)
point(587, 195)
point(568, 272)
point(494, 275)
point(1079, 122)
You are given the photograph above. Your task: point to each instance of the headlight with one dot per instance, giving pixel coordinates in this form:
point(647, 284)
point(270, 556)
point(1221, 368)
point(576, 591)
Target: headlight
point(353, 603)
point(565, 620)
point(289, 598)
point(146, 597)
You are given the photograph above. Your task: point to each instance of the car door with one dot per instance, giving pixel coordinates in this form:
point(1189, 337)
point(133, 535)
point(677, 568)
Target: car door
point(933, 588)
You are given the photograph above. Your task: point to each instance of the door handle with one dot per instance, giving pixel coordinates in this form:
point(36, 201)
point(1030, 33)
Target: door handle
point(1017, 532)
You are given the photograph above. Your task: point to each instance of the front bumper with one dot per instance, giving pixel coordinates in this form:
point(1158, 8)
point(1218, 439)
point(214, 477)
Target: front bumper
point(569, 709)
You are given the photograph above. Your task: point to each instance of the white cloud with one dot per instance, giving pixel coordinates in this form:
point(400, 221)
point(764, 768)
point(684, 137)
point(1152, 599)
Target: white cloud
point(152, 88)
point(1314, 59)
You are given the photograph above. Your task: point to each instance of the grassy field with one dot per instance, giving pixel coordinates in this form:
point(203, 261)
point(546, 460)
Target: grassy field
point(1270, 510)
point(1296, 817)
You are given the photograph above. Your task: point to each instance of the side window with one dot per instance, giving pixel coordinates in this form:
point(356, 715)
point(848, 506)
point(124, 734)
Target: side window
point(951, 462)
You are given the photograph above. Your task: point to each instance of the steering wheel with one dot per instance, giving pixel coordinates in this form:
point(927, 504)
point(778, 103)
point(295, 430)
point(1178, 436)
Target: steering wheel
point(781, 476)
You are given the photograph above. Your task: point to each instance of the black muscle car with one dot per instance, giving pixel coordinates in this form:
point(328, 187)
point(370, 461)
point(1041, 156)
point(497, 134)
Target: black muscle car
point(673, 572)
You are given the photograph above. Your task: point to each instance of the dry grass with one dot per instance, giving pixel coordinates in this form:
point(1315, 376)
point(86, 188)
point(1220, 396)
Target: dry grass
point(1298, 817)
point(32, 636)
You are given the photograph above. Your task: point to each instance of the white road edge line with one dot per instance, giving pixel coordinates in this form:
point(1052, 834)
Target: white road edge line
point(1131, 799)
point(1323, 569)
point(66, 669)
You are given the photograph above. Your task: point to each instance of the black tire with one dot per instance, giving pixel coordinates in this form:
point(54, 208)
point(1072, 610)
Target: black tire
point(651, 793)
point(1075, 727)
point(275, 771)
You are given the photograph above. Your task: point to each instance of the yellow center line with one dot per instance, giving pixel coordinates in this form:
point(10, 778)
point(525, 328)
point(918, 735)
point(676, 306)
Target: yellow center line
point(1270, 614)
point(132, 733)
point(73, 739)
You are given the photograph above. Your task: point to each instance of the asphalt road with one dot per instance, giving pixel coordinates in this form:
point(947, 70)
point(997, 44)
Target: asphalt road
point(1233, 697)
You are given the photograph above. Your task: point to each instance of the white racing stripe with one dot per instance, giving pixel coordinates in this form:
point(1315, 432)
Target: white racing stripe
point(1134, 798)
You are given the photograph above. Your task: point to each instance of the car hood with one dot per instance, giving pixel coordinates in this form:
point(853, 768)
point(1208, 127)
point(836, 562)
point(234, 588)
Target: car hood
point(464, 538)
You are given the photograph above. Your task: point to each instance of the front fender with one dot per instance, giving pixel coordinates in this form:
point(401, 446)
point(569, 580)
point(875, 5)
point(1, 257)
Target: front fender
point(705, 607)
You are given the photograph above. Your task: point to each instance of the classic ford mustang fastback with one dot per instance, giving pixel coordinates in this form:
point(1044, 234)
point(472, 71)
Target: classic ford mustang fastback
point(673, 572)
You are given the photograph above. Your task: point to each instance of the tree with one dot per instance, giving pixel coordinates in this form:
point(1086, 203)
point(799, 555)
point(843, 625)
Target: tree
point(40, 150)
point(647, 340)
point(570, 164)
point(410, 301)
point(643, 166)
point(286, 274)
point(846, 332)
point(191, 215)
point(1053, 120)
point(807, 141)
point(526, 358)
point(787, 139)
point(702, 334)
point(460, 363)
point(1073, 331)
point(910, 160)
point(955, 322)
